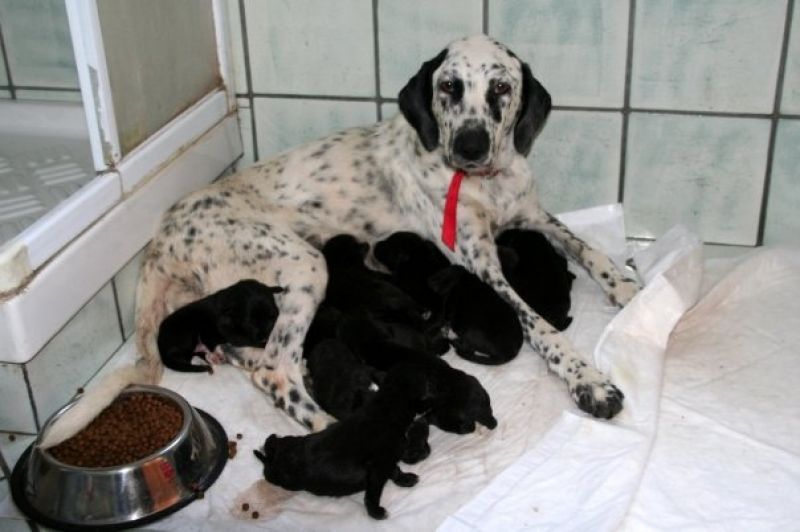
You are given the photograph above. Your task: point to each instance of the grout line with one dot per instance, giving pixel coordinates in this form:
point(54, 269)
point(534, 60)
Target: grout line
point(773, 130)
point(249, 77)
point(377, 53)
point(626, 103)
point(590, 108)
point(7, 66)
point(31, 398)
point(45, 89)
point(485, 20)
point(117, 306)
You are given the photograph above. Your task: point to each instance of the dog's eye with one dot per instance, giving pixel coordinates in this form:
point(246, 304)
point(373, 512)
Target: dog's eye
point(447, 86)
point(501, 87)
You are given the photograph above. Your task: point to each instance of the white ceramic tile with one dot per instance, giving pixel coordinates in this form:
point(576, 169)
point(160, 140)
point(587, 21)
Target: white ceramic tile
point(790, 102)
point(576, 160)
point(13, 445)
point(704, 172)
point(414, 31)
point(284, 123)
point(783, 223)
point(38, 43)
point(237, 46)
point(125, 283)
point(16, 413)
point(246, 127)
point(311, 46)
point(75, 353)
point(707, 54)
point(575, 48)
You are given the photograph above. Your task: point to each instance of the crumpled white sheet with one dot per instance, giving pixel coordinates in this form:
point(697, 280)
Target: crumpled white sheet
point(546, 465)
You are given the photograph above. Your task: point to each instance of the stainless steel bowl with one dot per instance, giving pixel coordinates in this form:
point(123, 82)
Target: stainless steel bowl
point(77, 498)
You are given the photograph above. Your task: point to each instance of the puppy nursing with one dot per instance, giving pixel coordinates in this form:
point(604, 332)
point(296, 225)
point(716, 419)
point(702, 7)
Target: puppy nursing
point(242, 314)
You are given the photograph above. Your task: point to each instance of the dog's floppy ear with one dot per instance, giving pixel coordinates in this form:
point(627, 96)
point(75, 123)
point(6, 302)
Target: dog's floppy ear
point(533, 111)
point(415, 102)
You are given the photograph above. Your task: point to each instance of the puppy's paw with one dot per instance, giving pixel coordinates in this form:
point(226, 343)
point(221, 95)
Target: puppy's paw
point(406, 480)
point(600, 399)
point(378, 512)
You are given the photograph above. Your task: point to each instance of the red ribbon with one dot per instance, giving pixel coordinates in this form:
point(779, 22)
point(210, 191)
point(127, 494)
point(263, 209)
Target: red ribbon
point(450, 206)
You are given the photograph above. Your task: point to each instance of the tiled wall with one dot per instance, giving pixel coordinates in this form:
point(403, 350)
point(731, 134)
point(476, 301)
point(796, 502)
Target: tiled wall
point(687, 111)
point(36, 61)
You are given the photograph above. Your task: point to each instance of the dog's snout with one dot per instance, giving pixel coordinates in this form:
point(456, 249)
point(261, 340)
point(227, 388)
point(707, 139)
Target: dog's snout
point(471, 144)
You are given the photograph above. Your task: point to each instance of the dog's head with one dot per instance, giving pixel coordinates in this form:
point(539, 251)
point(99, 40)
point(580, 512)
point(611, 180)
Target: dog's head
point(476, 102)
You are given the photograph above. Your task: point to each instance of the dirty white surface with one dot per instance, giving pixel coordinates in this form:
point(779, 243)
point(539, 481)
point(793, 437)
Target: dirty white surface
point(709, 438)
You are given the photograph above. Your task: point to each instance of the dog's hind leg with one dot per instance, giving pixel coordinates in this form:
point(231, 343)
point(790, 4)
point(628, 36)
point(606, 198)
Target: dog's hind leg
point(278, 368)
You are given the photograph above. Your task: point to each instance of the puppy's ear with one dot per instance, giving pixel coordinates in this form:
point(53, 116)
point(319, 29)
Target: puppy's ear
point(533, 111)
point(415, 102)
point(443, 281)
point(260, 456)
point(508, 257)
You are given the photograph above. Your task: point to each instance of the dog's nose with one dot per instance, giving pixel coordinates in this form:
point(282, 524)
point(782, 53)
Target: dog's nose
point(471, 144)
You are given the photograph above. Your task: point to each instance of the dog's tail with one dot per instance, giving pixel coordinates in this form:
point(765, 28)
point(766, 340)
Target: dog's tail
point(151, 308)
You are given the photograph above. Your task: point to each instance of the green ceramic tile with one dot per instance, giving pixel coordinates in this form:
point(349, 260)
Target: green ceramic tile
point(707, 55)
point(285, 123)
point(575, 48)
point(791, 83)
point(576, 160)
point(413, 31)
point(783, 222)
point(706, 173)
point(311, 47)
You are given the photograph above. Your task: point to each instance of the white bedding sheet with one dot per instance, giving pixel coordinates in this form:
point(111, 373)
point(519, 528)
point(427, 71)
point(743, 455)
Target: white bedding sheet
point(707, 440)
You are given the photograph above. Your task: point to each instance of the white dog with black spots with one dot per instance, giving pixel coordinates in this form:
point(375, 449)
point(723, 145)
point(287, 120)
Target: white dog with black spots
point(474, 108)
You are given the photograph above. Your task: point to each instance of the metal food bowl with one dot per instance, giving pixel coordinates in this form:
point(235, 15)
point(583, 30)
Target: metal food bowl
point(68, 497)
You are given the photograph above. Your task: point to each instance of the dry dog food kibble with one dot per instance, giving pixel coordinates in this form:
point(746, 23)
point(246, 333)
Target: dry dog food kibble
point(132, 427)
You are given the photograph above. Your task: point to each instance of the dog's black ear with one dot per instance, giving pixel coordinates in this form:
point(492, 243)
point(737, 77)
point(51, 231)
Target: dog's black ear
point(533, 111)
point(415, 102)
point(276, 289)
point(260, 456)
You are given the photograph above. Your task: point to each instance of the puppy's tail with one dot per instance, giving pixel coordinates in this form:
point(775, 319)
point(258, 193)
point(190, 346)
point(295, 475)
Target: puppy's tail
point(152, 294)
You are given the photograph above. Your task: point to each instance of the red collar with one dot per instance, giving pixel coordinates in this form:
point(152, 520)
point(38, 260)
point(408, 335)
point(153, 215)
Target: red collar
point(450, 206)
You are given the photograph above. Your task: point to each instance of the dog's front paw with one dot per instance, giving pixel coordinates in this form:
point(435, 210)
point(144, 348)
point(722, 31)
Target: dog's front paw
point(623, 291)
point(600, 399)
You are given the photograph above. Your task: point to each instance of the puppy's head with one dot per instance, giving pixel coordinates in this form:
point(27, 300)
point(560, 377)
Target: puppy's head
point(462, 402)
point(405, 250)
point(478, 103)
point(343, 250)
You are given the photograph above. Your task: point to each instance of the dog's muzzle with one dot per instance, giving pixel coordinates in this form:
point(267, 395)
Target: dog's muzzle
point(471, 147)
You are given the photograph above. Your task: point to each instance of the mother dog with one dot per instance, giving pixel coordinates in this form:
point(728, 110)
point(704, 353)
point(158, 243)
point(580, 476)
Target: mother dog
point(474, 107)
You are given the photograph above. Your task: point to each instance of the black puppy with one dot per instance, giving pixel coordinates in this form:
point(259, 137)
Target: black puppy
point(242, 314)
point(458, 399)
point(356, 290)
point(340, 382)
point(486, 329)
point(538, 273)
point(358, 453)
point(412, 261)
